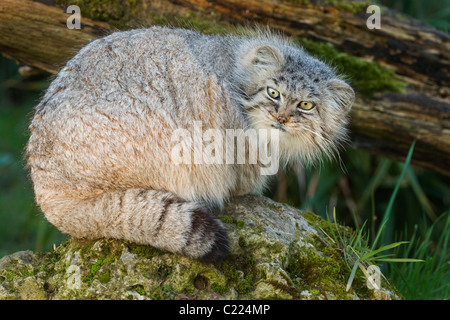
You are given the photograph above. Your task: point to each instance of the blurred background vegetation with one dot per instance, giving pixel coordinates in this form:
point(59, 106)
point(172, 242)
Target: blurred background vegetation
point(360, 188)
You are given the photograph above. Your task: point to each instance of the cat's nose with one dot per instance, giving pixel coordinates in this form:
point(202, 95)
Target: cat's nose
point(282, 119)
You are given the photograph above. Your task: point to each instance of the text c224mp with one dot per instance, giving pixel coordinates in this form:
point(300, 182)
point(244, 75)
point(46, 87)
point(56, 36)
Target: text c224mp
point(251, 309)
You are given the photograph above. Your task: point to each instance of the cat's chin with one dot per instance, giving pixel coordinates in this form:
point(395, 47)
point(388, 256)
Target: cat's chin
point(293, 148)
point(269, 125)
point(279, 127)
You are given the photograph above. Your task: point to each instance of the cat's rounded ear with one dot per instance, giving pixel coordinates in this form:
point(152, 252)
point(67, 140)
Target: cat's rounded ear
point(341, 93)
point(265, 57)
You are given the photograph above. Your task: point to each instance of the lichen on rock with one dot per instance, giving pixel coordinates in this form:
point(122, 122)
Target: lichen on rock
point(275, 253)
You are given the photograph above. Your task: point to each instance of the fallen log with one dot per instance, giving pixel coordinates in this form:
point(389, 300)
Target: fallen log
point(383, 122)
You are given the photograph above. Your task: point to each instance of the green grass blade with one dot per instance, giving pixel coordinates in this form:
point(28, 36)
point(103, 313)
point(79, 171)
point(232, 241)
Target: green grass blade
point(394, 194)
point(383, 248)
point(385, 256)
point(330, 225)
point(352, 275)
point(341, 238)
point(400, 260)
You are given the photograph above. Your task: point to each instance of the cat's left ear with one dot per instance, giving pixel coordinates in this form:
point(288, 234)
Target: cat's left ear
point(264, 58)
point(341, 93)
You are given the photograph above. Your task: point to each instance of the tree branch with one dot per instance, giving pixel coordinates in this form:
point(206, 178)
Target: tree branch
point(36, 34)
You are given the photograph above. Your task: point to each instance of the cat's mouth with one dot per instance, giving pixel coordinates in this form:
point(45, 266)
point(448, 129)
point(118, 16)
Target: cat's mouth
point(279, 126)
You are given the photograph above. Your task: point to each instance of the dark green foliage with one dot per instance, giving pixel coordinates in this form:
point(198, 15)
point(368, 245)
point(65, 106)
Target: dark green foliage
point(366, 77)
point(21, 224)
point(434, 12)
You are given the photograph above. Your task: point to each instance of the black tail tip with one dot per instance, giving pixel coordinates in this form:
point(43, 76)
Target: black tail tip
point(219, 250)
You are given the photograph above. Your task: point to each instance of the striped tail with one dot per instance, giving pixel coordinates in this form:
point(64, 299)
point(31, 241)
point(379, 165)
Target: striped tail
point(143, 216)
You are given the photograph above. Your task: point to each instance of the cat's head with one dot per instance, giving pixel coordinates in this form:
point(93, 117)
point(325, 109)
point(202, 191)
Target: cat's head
point(282, 87)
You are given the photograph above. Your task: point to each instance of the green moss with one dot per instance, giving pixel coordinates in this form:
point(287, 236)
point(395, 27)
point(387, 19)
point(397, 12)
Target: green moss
point(217, 288)
point(315, 292)
point(230, 271)
point(104, 277)
point(345, 6)
point(165, 293)
point(312, 218)
point(144, 251)
point(104, 253)
point(84, 247)
point(228, 219)
point(366, 77)
point(118, 14)
point(208, 25)
point(316, 221)
point(167, 288)
point(312, 271)
point(16, 271)
point(326, 272)
point(239, 272)
point(140, 289)
point(334, 267)
point(245, 285)
point(298, 1)
point(9, 276)
point(95, 268)
point(349, 6)
point(242, 242)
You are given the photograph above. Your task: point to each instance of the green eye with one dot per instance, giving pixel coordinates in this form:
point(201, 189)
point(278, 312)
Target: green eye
point(275, 94)
point(306, 105)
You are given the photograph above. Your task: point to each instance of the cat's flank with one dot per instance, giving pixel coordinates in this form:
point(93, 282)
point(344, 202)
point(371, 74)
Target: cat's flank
point(102, 137)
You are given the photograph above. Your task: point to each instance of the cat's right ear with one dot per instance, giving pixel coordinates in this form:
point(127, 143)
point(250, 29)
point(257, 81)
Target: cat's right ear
point(341, 93)
point(264, 58)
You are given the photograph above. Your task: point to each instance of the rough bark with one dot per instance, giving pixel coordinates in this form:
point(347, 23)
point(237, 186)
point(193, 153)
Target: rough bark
point(34, 33)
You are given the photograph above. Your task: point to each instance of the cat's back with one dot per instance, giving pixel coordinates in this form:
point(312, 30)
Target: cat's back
point(134, 63)
point(108, 117)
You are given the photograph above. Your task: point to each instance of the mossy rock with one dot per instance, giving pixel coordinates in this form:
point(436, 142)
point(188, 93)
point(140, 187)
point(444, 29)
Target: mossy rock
point(277, 252)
